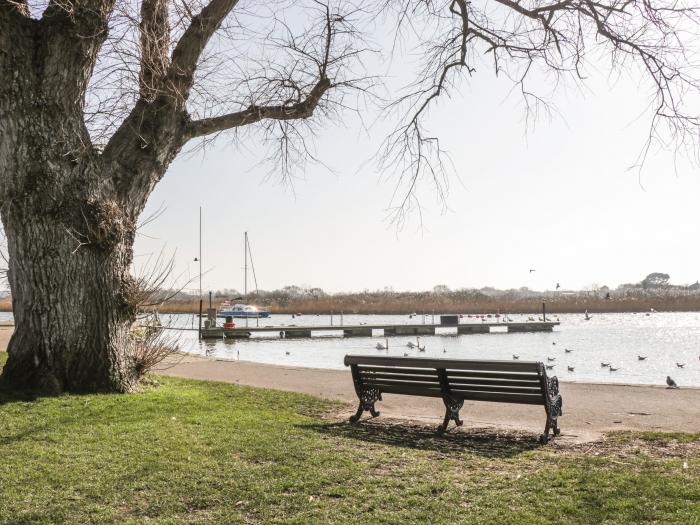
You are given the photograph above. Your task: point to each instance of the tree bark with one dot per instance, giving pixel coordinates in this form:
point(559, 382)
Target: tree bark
point(71, 303)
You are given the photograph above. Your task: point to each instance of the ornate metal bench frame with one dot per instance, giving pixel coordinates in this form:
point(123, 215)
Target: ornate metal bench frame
point(553, 403)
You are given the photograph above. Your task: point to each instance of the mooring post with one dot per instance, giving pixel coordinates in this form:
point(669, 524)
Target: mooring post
point(544, 313)
point(200, 319)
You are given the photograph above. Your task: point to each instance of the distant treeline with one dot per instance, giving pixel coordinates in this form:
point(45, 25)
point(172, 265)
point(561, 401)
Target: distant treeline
point(654, 291)
point(458, 301)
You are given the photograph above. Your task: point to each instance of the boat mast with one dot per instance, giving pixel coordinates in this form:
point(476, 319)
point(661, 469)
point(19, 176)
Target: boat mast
point(245, 269)
point(200, 252)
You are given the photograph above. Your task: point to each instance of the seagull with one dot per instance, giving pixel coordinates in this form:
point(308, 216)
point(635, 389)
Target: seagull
point(286, 353)
point(558, 286)
point(550, 359)
point(549, 367)
point(554, 342)
point(641, 357)
point(570, 368)
point(410, 344)
point(671, 383)
point(444, 351)
point(680, 365)
point(532, 270)
point(405, 354)
point(604, 364)
point(568, 350)
point(380, 346)
point(613, 369)
point(516, 356)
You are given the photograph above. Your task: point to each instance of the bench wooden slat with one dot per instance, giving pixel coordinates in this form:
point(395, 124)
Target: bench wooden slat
point(410, 390)
point(500, 398)
point(501, 389)
point(415, 384)
point(453, 364)
point(397, 370)
point(503, 375)
point(408, 377)
point(493, 382)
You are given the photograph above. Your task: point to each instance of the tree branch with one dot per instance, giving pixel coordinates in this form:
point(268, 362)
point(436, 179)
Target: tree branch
point(300, 110)
point(194, 40)
point(154, 30)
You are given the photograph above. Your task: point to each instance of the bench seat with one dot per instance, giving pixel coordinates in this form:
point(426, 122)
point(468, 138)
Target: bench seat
point(455, 380)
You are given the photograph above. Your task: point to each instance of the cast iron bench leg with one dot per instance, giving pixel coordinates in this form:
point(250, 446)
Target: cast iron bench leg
point(368, 396)
point(452, 407)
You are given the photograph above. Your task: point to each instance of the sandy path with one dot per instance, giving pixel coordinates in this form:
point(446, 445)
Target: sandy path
point(589, 409)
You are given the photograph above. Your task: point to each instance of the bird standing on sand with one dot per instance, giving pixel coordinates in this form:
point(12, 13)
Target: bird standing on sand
point(671, 383)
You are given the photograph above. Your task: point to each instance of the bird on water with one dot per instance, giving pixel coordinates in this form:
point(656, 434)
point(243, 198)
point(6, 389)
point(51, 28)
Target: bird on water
point(671, 383)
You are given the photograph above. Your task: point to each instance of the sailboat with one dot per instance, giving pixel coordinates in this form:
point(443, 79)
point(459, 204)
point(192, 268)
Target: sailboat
point(242, 310)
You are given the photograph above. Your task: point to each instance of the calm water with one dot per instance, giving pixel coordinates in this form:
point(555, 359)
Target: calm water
point(665, 338)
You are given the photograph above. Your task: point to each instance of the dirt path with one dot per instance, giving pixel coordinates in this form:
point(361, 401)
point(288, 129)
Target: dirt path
point(589, 409)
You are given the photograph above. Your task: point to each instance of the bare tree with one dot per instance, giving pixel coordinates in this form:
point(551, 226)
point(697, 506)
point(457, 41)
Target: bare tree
point(97, 97)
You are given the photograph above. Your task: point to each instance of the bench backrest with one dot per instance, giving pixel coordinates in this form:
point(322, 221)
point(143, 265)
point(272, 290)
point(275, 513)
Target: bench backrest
point(503, 381)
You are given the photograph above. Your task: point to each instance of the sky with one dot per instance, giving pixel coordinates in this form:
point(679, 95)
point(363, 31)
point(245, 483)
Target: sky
point(559, 197)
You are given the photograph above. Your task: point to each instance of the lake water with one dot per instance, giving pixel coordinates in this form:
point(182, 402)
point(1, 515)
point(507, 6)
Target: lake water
point(665, 338)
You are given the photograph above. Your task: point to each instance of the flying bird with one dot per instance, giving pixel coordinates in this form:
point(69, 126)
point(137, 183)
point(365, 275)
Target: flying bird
point(558, 286)
point(570, 368)
point(671, 383)
point(516, 356)
point(568, 350)
point(641, 357)
point(532, 270)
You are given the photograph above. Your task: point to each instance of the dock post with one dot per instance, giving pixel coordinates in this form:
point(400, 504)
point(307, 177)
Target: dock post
point(200, 320)
point(544, 313)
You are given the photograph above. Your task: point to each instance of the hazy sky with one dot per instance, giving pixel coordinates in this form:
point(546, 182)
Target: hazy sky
point(559, 198)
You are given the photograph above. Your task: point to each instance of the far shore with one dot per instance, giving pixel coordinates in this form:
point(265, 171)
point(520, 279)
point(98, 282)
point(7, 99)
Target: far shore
point(435, 304)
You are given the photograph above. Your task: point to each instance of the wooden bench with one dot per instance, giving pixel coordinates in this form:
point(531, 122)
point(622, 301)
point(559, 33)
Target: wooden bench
point(455, 381)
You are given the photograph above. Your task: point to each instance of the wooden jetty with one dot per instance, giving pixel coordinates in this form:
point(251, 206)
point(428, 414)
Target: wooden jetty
point(366, 330)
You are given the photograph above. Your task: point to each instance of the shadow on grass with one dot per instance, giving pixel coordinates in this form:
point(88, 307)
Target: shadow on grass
point(483, 442)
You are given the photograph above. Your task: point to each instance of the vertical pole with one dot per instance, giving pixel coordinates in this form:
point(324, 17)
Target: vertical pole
point(331, 317)
point(200, 320)
point(210, 299)
point(200, 257)
point(341, 319)
point(544, 313)
point(245, 268)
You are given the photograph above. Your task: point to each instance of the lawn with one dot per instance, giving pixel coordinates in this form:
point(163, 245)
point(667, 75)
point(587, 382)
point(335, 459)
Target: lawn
point(200, 452)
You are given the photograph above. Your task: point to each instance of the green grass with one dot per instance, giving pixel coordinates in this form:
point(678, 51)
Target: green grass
point(199, 452)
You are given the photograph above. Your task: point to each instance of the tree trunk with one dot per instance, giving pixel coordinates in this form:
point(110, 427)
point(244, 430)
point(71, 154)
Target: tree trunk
point(71, 295)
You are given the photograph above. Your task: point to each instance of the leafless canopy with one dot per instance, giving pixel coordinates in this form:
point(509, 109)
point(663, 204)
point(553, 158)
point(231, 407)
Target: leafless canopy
point(202, 67)
point(654, 39)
